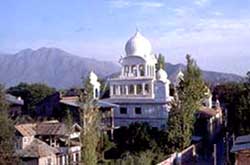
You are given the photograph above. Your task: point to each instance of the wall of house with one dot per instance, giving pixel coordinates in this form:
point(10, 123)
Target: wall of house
point(155, 115)
point(47, 160)
point(243, 158)
point(26, 140)
point(30, 161)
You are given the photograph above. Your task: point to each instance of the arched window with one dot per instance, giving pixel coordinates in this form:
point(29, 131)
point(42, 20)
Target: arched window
point(142, 70)
point(126, 70)
point(114, 89)
point(139, 89)
point(134, 70)
point(147, 88)
point(96, 93)
point(122, 90)
point(131, 89)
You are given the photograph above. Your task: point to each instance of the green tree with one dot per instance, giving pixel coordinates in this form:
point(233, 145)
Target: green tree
point(160, 62)
point(6, 133)
point(31, 94)
point(69, 123)
point(90, 119)
point(190, 93)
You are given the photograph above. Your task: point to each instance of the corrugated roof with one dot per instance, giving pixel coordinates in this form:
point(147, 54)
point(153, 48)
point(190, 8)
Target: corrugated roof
point(51, 129)
point(241, 143)
point(208, 112)
point(26, 129)
point(14, 100)
point(243, 139)
point(37, 149)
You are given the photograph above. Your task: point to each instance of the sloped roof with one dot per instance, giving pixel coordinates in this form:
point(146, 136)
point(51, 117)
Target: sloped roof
point(208, 112)
point(37, 149)
point(26, 129)
point(14, 100)
point(241, 143)
point(51, 129)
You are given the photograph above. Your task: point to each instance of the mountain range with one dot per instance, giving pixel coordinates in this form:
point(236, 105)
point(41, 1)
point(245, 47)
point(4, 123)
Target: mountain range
point(61, 69)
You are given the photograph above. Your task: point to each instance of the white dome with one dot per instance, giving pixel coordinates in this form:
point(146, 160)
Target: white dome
point(162, 75)
point(93, 77)
point(138, 46)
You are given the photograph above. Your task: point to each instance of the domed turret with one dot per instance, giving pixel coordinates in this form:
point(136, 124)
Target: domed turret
point(138, 46)
point(162, 75)
point(93, 77)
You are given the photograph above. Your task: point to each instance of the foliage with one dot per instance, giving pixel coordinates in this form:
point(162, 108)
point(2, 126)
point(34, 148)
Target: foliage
point(187, 101)
point(139, 143)
point(31, 94)
point(104, 145)
point(90, 119)
point(160, 62)
point(6, 133)
point(236, 98)
point(135, 138)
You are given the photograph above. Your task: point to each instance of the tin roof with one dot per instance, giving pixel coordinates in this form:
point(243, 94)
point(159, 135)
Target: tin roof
point(241, 143)
point(26, 129)
point(37, 149)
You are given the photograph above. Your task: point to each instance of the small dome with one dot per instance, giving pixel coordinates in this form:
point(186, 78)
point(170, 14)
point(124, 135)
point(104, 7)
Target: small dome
point(138, 46)
point(162, 75)
point(93, 77)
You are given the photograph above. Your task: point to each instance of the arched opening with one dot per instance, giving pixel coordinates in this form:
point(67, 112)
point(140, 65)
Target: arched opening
point(131, 89)
point(134, 70)
point(142, 70)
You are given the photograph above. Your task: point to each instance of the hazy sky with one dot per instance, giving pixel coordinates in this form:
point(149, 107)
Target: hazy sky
point(215, 32)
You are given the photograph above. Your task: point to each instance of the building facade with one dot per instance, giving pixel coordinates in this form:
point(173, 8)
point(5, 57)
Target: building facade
point(141, 91)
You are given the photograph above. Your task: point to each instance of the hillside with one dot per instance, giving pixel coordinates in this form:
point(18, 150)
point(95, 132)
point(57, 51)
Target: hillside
point(52, 66)
point(60, 69)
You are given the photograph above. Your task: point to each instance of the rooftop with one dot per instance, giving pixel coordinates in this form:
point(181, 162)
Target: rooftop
point(37, 149)
point(241, 143)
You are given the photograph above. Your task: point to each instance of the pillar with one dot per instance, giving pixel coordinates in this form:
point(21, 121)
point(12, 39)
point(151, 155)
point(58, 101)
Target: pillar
point(135, 89)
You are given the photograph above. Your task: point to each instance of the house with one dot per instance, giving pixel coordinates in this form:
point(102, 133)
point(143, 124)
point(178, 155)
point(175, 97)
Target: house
point(140, 91)
point(241, 148)
point(48, 142)
point(15, 105)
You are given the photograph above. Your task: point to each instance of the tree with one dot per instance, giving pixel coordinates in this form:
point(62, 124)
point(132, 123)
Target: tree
point(90, 119)
point(235, 97)
point(69, 123)
point(6, 133)
point(160, 62)
point(190, 93)
point(31, 94)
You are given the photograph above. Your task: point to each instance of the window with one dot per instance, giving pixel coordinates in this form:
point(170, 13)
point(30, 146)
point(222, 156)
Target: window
point(122, 90)
point(123, 110)
point(114, 89)
point(134, 70)
point(96, 93)
point(139, 89)
point(49, 161)
point(138, 110)
point(146, 88)
point(131, 89)
point(126, 70)
point(142, 70)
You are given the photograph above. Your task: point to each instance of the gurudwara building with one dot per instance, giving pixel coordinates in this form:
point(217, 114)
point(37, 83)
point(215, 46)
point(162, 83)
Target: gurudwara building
point(141, 91)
